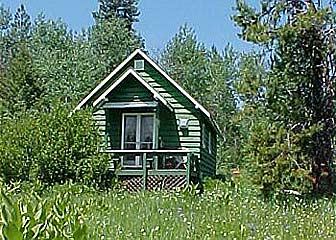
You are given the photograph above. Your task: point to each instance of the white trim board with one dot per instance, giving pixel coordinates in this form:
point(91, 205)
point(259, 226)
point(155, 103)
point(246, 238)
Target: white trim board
point(100, 85)
point(152, 104)
point(137, 77)
point(161, 71)
point(197, 105)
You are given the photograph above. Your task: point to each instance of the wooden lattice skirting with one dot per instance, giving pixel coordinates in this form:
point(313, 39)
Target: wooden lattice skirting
point(136, 183)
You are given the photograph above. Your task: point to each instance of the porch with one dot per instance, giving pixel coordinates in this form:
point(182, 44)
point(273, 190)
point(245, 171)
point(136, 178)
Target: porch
point(155, 168)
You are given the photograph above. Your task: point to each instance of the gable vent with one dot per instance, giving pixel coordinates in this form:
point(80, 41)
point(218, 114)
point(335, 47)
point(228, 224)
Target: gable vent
point(139, 65)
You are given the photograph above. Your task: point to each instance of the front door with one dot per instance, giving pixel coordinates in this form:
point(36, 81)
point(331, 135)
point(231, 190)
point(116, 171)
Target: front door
point(138, 133)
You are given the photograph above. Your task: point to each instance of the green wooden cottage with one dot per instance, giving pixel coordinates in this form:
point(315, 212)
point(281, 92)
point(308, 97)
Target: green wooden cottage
point(157, 134)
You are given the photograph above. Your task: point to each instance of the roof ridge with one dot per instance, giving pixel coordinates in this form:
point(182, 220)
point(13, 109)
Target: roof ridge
point(157, 67)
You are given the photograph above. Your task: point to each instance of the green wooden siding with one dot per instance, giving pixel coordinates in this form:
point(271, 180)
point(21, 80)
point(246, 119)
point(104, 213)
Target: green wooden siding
point(113, 130)
point(183, 108)
point(168, 129)
point(112, 80)
point(131, 90)
point(100, 117)
point(208, 163)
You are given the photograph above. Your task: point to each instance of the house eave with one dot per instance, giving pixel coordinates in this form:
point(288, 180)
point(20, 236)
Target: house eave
point(122, 105)
point(197, 105)
point(100, 85)
point(132, 72)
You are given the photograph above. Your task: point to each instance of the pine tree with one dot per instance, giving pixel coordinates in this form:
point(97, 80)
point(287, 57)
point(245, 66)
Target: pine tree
point(123, 9)
point(21, 25)
point(19, 89)
point(5, 19)
point(293, 142)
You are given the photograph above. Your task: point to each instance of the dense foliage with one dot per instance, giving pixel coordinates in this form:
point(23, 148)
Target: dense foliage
point(215, 79)
point(42, 60)
point(292, 138)
point(224, 211)
point(45, 70)
point(123, 9)
point(277, 122)
point(52, 147)
point(25, 215)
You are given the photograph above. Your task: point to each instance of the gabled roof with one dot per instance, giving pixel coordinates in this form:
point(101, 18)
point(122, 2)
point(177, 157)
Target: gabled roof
point(131, 71)
point(100, 85)
point(137, 77)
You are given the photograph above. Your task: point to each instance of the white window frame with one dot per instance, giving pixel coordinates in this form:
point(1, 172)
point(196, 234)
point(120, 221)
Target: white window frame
point(138, 133)
point(210, 143)
point(139, 64)
point(203, 136)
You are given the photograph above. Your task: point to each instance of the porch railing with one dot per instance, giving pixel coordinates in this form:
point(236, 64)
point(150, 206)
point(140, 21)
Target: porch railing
point(156, 162)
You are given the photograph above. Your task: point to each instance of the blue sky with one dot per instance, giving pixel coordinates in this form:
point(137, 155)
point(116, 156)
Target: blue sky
point(159, 20)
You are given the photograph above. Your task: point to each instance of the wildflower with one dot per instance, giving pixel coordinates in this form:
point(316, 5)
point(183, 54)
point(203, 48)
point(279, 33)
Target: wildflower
point(253, 227)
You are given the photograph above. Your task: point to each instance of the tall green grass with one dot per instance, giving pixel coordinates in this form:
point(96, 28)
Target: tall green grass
point(222, 211)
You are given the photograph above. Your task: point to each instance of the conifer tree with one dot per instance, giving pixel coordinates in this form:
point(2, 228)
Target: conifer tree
point(293, 141)
point(123, 9)
point(19, 87)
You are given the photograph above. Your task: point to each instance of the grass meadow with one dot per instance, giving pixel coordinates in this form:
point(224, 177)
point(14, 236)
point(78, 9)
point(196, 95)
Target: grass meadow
point(222, 211)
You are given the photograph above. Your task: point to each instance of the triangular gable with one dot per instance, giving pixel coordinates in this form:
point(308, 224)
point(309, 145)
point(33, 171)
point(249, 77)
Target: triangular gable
point(138, 78)
point(106, 80)
point(156, 67)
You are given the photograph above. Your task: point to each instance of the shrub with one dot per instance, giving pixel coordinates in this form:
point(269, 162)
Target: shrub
point(24, 215)
point(52, 147)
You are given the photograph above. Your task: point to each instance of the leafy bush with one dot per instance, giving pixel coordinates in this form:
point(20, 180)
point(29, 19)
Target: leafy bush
point(277, 160)
point(225, 210)
point(24, 215)
point(52, 147)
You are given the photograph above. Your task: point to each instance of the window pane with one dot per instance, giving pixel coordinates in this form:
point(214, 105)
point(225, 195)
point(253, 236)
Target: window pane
point(130, 132)
point(203, 136)
point(146, 133)
point(130, 146)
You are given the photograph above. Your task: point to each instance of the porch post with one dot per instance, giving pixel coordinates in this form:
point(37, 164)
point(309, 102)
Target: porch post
point(188, 167)
point(144, 169)
point(155, 158)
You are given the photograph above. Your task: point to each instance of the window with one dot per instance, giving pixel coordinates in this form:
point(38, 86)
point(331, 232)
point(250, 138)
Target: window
point(139, 65)
point(137, 133)
point(203, 136)
point(206, 139)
